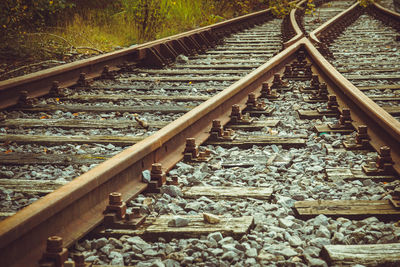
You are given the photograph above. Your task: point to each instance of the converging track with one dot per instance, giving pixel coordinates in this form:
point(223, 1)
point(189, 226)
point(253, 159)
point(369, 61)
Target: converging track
point(242, 154)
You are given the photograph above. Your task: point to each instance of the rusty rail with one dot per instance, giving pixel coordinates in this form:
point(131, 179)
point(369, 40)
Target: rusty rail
point(384, 129)
point(369, 111)
point(158, 53)
point(330, 23)
point(296, 28)
point(74, 209)
point(392, 14)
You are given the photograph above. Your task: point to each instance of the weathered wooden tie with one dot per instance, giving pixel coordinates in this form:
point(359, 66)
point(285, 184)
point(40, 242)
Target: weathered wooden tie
point(45, 139)
point(367, 255)
point(249, 141)
point(334, 174)
point(354, 209)
point(154, 228)
point(225, 192)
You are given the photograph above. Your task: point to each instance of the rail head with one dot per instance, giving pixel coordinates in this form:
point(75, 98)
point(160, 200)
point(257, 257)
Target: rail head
point(296, 28)
point(315, 33)
point(387, 11)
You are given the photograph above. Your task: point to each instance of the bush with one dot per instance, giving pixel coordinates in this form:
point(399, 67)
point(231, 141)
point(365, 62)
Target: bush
point(18, 16)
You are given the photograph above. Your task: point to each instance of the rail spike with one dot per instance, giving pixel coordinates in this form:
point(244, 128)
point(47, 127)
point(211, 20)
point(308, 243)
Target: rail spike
point(383, 165)
point(192, 153)
point(107, 74)
point(361, 140)
point(267, 92)
point(117, 216)
point(25, 101)
point(55, 254)
point(157, 178)
point(56, 90)
point(218, 133)
point(237, 117)
point(344, 121)
point(82, 80)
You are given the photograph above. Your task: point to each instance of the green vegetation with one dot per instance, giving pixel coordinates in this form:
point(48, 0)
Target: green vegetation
point(56, 29)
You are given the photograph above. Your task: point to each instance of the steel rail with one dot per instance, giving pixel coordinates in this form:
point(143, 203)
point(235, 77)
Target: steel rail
point(325, 26)
point(391, 13)
point(40, 83)
point(298, 32)
point(74, 209)
point(383, 128)
point(370, 113)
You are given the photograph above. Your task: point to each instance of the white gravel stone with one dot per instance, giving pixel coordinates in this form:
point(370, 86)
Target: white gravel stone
point(146, 176)
point(138, 242)
point(229, 256)
point(287, 252)
point(178, 221)
point(295, 241)
point(285, 223)
point(251, 252)
point(171, 190)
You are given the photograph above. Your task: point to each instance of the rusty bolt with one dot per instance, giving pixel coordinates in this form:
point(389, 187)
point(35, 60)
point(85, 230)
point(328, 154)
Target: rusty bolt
point(315, 80)
point(23, 98)
point(106, 74)
point(55, 89)
point(191, 147)
point(216, 123)
point(79, 260)
point(24, 94)
point(323, 90)
point(190, 142)
point(265, 88)
point(54, 244)
point(156, 168)
point(82, 77)
point(55, 255)
point(384, 151)
point(216, 128)
point(346, 113)
point(362, 129)
point(384, 159)
point(235, 110)
point(115, 199)
point(236, 115)
point(251, 99)
point(345, 117)
point(332, 102)
point(106, 69)
point(55, 85)
point(82, 80)
point(362, 134)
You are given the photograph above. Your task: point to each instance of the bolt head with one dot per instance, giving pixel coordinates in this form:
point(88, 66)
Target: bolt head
point(156, 167)
point(54, 244)
point(115, 198)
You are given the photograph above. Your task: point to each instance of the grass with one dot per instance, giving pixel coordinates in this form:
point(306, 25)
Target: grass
point(105, 31)
point(93, 30)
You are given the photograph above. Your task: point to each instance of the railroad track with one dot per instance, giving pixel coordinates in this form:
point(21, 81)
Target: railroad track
point(272, 181)
point(107, 115)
